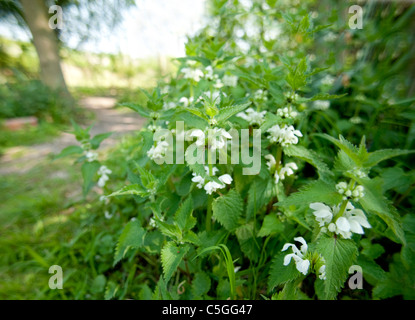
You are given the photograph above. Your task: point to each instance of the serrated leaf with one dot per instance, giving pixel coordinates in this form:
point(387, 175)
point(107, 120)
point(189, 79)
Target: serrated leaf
point(171, 256)
point(227, 209)
point(346, 146)
point(226, 113)
point(183, 216)
point(339, 255)
point(279, 273)
point(249, 245)
point(270, 225)
point(89, 169)
point(311, 157)
point(132, 189)
point(259, 194)
point(200, 284)
point(97, 140)
point(381, 155)
point(69, 151)
point(144, 112)
point(170, 230)
point(131, 237)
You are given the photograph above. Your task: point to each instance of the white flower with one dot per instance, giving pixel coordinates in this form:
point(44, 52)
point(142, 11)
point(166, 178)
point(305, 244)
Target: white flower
point(199, 180)
point(209, 73)
point(108, 215)
point(194, 74)
point(252, 116)
point(271, 163)
point(322, 272)
point(322, 213)
point(225, 179)
point(356, 192)
point(350, 222)
point(91, 156)
point(328, 80)
point(103, 172)
point(217, 138)
point(230, 81)
point(301, 264)
point(287, 112)
point(169, 105)
point(212, 186)
point(321, 104)
point(284, 135)
point(186, 101)
point(158, 151)
point(261, 95)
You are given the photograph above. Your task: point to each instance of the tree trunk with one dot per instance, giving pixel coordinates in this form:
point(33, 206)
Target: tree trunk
point(46, 44)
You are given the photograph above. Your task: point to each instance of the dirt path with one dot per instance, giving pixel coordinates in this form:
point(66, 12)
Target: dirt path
point(21, 159)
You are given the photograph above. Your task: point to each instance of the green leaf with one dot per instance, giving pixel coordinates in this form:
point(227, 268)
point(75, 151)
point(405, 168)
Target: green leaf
point(248, 243)
point(279, 273)
point(144, 112)
point(339, 255)
point(183, 216)
point(227, 209)
point(89, 169)
point(132, 189)
point(374, 202)
point(131, 237)
point(346, 146)
point(226, 113)
point(316, 191)
point(96, 141)
point(380, 155)
point(271, 225)
point(171, 256)
point(69, 151)
point(259, 194)
point(200, 284)
point(170, 230)
point(311, 157)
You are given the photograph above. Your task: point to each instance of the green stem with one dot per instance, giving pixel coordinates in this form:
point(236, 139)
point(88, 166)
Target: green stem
point(210, 198)
point(342, 209)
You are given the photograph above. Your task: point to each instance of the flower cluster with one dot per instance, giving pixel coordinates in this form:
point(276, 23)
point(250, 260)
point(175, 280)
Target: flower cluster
point(348, 192)
point(212, 186)
point(287, 112)
point(194, 74)
point(261, 95)
point(321, 104)
point(298, 255)
point(217, 138)
point(158, 151)
point(284, 135)
point(252, 116)
point(282, 172)
point(351, 221)
point(103, 172)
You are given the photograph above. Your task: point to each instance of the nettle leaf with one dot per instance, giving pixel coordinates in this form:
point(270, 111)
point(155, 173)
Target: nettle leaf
point(144, 112)
point(200, 284)
point(131, 237)
point(132, 189)
point(339, 255)
point(97, 140)
point(228, 209)
point(226, 113)
point(279, 273)
point(249, 244)
point(270, 120)
point(69, 151)
point(311, 157)
point(322, 96)
point(380, 155)
point(183, 216)
point(346, 146)
point(196, 112)
point(170, 230)
point(374, 202)
point(89, 169)
point(316, 191)
point(271, 225)
point(259, 195)
point(171, 256)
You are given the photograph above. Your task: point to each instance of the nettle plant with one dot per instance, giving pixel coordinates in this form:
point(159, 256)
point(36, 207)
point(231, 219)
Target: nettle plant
point(234, 192)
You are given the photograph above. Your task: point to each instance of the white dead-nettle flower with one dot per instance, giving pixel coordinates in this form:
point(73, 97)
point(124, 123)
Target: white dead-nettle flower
point(321, 104)
point(91, 156)
point(261, 95)
point(356, 120)
point(252, 116)
point(298, 255)
point(350, 222)
point(328, 80)
point(153, 127)
point(284, 135)
point(186, 101)
point(230, 81)
point(322, 272)
point(330, 37)
point(355, 193)
point(218, 138)
point(287, 170)
point(193, 74)
point(103, 172)
point(169, 105)
point(271, 163)
point(209, 75)
point(218, 84)
point(357, 172)
point(107, 215)
point(158, 151)
point(287, 112)
point(212, 186)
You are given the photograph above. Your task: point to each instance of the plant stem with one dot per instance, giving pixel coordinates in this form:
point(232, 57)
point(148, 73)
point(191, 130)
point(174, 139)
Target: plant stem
point(210, 198)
